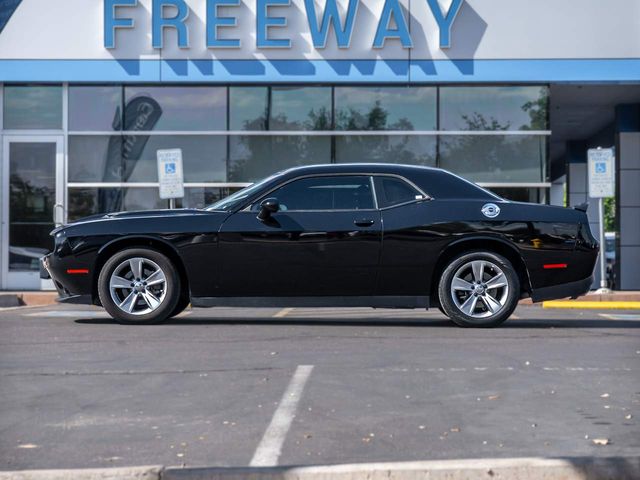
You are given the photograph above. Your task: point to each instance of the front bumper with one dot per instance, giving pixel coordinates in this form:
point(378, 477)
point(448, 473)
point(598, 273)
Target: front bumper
point(64, 295)
point(44, 268)
point(564, 290)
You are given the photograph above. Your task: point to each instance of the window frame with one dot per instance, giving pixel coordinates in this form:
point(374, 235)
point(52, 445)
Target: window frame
point(406, 181)
point(248, 207)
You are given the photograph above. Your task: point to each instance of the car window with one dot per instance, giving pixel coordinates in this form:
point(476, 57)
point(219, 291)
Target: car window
point(325, 193)
point(394, 191)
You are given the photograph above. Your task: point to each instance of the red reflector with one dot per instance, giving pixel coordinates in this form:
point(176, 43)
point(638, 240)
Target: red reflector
point(554, 265)
point(77, 271)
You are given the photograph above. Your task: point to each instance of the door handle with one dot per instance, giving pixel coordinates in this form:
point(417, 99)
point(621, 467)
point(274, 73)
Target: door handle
point(364, 222)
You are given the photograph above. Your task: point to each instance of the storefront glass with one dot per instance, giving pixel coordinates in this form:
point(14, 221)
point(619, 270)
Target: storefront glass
point(95, 109)
point(386, 108)
point(175, 108)
point(493, 108)
point(489, 134)
point(32, 107)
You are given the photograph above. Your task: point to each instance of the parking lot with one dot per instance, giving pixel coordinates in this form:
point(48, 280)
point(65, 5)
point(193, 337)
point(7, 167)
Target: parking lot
point(313, 386)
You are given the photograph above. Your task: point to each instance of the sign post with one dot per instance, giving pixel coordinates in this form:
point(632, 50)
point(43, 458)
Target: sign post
point(170, 175)
point(601, 186)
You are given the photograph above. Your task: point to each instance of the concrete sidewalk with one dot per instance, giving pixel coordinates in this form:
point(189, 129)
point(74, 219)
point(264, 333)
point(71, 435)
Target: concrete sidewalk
point(577, 468)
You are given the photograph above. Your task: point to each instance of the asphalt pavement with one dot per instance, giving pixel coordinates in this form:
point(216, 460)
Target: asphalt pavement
point(234, 387)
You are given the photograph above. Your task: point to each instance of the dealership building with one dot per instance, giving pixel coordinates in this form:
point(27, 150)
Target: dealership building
point(510, 94)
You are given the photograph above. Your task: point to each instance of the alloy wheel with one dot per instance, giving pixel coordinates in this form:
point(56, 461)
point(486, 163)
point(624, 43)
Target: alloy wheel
point(138, 286)
point(479, 289)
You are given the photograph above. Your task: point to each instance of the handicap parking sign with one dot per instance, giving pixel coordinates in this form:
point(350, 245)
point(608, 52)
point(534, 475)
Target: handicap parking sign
point(601, 168)
point(170, 173)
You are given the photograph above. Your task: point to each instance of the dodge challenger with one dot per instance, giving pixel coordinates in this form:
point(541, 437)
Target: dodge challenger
point(347, 235)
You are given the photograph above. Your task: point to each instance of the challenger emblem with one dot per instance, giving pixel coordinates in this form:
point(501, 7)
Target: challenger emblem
point(490, 210)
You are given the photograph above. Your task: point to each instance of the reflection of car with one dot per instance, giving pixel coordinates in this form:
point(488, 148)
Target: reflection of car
point(331, 235)
point(25, 258)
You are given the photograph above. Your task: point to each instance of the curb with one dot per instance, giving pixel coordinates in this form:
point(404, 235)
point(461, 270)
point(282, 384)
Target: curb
point(29, 299)
point(569, 468)
point(595, 305)
point(129, 473)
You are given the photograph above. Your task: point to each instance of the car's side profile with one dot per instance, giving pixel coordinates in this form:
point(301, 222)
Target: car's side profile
point(374, 235)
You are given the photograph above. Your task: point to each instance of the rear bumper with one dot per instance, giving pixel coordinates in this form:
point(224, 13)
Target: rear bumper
point(564, 290)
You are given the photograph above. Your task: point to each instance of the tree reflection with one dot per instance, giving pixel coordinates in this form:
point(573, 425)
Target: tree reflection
point(499, 158)
point(481, 157)
point(406, 149)
point(254, 157)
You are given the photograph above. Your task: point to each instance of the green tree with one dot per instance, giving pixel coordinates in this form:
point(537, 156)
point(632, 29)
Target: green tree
point(610, 214)
point(537, 111)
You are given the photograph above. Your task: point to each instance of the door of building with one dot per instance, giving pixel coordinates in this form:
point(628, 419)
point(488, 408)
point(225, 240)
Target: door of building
point(32, 204)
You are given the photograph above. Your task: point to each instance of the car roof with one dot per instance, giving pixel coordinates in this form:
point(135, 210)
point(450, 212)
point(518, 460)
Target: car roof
point(358, 168)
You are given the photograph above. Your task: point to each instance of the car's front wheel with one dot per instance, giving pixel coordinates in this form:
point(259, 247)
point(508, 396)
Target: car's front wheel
point(479, 289)
point(139, 286)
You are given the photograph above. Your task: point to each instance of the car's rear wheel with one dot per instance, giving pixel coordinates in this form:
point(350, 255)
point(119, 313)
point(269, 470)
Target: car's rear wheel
point(139, 286)
point(479, 289)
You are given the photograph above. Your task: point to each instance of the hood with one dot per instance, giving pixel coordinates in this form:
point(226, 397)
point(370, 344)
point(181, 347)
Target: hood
point(154, 213)
point(133, 214)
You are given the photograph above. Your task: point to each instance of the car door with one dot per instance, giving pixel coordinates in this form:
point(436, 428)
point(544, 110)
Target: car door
point(324, 241)
point(410, 248)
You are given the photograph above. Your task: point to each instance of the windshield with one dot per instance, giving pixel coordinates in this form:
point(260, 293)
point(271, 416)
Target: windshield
point(240, 196)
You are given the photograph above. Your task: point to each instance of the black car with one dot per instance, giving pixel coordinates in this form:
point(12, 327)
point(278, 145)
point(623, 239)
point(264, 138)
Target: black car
point(376, 235)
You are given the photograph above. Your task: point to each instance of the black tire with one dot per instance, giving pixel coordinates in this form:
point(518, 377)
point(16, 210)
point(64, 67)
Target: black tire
point(169, 295)
point(481, 306)
point(182, 304)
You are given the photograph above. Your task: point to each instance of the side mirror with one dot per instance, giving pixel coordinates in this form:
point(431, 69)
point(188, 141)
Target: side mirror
point(267, 207)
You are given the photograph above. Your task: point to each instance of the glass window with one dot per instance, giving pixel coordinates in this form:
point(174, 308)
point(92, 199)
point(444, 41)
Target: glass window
point(200, 197)
point(493, 108)
point(326, 193)
point(300, 108)
point(204, 157)
point(91, 201)
point(36, 107)
point(95, 108)
point(94, 158)
point(175, 108)
point(254, 157)
point(393, 191)
point(248, 108)
point(31, 200)
point(403, 149)
point(385, 108)
point(495, 158)
point(133, 158)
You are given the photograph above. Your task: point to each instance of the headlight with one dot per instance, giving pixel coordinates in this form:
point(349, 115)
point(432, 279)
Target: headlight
point(62, 246)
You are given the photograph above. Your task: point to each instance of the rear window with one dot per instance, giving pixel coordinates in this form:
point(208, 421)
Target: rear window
point(392, 191)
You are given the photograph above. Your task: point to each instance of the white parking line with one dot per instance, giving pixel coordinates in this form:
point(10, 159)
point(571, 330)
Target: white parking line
point(270, 447)
point(621, 316)
point(283, 313)
point(69, 314)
